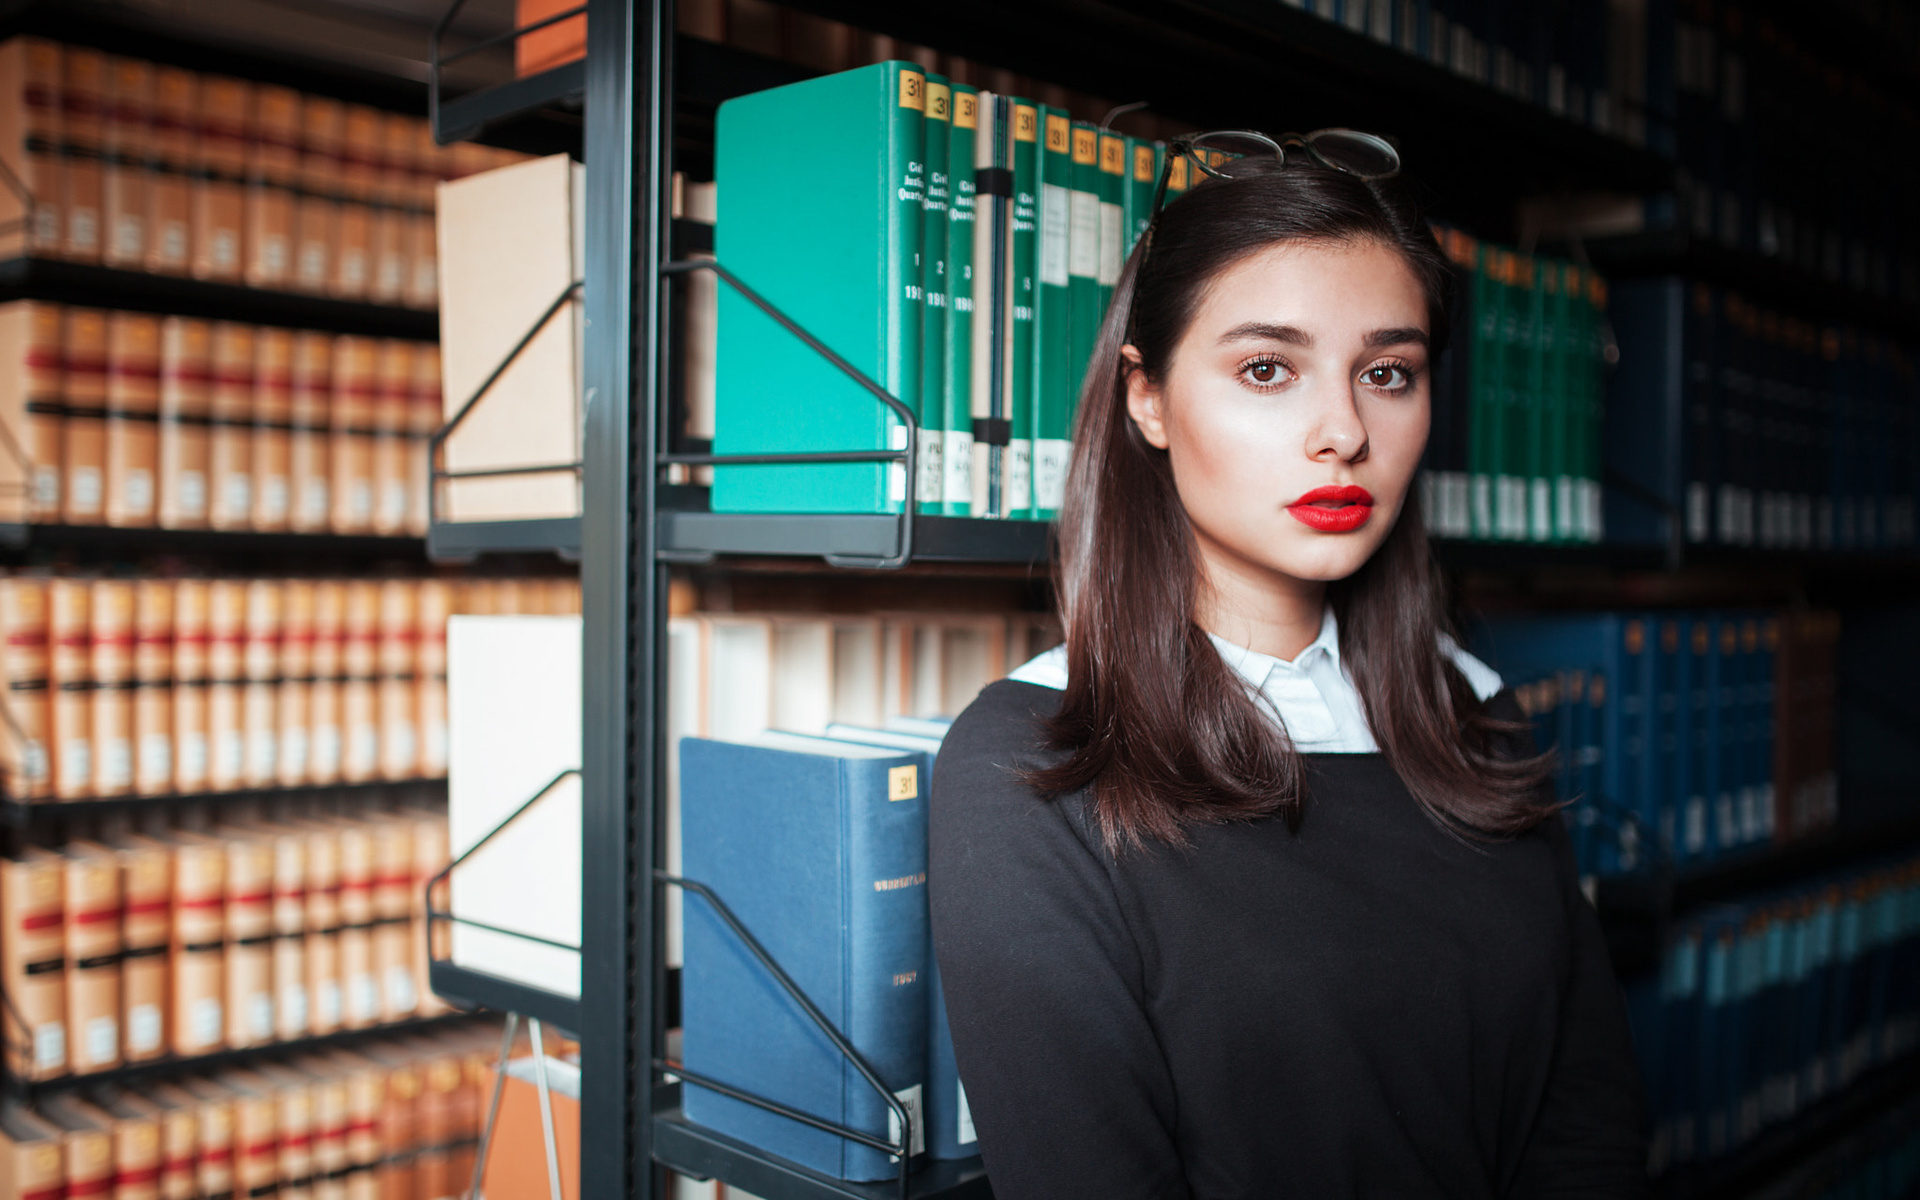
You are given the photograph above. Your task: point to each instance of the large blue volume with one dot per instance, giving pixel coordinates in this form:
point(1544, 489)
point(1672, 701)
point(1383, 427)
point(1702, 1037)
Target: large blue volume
point(820, 848)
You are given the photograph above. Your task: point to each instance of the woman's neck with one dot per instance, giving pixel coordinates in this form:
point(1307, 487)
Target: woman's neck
point(1270, 614)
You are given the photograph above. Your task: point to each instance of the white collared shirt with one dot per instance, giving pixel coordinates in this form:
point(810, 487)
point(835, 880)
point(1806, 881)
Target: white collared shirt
point(1313, 696)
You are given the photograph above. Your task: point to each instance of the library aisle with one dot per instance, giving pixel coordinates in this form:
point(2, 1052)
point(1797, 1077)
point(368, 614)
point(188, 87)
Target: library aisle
point(502, 502)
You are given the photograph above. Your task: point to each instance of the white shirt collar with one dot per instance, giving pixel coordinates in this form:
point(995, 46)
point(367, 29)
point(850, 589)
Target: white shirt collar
point(1256, 668)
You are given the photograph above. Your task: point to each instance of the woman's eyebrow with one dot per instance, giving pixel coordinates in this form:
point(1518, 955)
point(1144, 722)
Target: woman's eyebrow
point(1293, 335)
point(1406, 335)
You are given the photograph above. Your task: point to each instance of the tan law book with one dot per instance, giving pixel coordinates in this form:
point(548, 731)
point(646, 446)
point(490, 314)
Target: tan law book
point(270, 193)
point(360, 986)
point(33, 406)
point(196, 1009)
point(260, 717)
point(214, 1125)
point(359, 730)
point(330, 1124)
point(311, 450)
point(425, 410)
point(86, 1145)
point(359, 180)
point(325, 998)
point(91, 879)
point(179, 1116)
point(318, 218)
point(185, 437)
point(389, 235)
point(176, 100)
point(153, 702)
point(325, 739)
point(531, 415)
point(361, 630)
point(110, 647)
point(433, 604)
point(392, 447)
point(83, 137)
point(272, 441)
point(192, 635)
point(70, 684)
point(30, 134)
point(352, 434)
point(25, 770)
point(291, 990)
point(430, 725)
point(226, 674)
point(397, 716)
point(33, 965)
point(83, 441)
point(249, 935)
point(230, 456)
point(126, 173)
point(430, 856)
point(146, 873)
point(31, 1164)
point(293, 1093)
point(366, 1096)
point(139, 1151)
point(256, 1133)
point(226, 735)
point(397, 626)
point(394, 885)
point(293, 717)
point(223, 119)
point(133, 414)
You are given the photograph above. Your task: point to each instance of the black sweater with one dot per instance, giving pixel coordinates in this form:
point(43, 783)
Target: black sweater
point(1367, 1008)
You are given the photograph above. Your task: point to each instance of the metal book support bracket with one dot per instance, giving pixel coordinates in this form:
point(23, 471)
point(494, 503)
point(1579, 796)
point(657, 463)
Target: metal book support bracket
point(436, 60)
point(535, 1029)
point(897, 1150)
point(905, 456)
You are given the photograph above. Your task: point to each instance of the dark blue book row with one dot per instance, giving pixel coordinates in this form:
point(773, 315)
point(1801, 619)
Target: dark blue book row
point(1679, 736)
point(1765, 1007)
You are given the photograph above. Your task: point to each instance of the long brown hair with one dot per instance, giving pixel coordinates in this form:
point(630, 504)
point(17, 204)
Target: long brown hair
point(1153, 722)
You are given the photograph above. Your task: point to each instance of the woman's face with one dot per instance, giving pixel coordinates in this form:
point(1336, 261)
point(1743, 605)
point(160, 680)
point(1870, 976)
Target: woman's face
point(1294, 411)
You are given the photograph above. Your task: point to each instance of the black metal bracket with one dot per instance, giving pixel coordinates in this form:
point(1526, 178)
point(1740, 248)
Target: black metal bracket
point(436, 60)
point(440, 876)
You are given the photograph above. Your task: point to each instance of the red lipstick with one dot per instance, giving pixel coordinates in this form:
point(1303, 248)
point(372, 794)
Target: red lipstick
point(1334, 509)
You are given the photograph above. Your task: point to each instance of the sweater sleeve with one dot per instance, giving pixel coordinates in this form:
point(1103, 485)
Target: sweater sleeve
point(1588, 1140)
point(1068, 1089)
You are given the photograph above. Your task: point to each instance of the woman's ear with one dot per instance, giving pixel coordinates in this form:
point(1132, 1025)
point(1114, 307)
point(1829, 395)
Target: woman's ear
point(1143, 399)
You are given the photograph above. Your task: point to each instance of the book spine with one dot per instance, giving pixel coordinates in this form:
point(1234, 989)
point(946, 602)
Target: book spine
point(963, 217)
point(1036, 307)
point(1485, 373)
point(905, 99)
point(936, 207)
point(1053, 419)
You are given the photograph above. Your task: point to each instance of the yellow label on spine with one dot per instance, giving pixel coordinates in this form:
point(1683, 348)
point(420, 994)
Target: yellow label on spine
point(1059, 134)
point(903, 783)
point(1177, 174)
point(939, 102)
point(1085, 145)
point(1113, 155)
point(1026, 123)
point(966, 109)
point(913, 91)
point(1143, 163)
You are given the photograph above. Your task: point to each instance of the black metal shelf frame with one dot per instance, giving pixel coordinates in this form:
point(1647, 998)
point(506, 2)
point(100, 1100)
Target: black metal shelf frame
point(23, 814)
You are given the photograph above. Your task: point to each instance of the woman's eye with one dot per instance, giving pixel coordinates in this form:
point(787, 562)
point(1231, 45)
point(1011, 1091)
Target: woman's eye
point(1266, 373)
point(1387, 378)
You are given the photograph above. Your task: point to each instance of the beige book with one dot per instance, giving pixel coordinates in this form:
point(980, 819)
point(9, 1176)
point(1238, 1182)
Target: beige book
point(325, 734)
point(360, 986)
point(132, 424)
point(33, 405)
point(393, 448)
point(353, 257)
point(394, 885)
point(397, 714)
point(352, 436)
point(186, 399)
point(86, 1145)
point(169, 190)
point(291, 990)
point(311, 454)
point(70, 684)
point(423, 268)
point(153, 686)
point(219, 196)
point(146, 873)
point(260, 733)
point(84, 104)
point(424, 409)
point(196, 1010)
point(110, 699)
point(25, 772)
point(298, 598)
point(359, 730)
point(293, 714)
point(433, 603)
point(214, 1124)
point(430, 856)
point(272, 440)
point(139, 1149)
point(230, 454)
point(293, 1093)
point(192, 609)
point(330, 1125)
point(322, 922)
point(317, 219)
point(430, 725)
point(33, 965)
point(390, 231)
point(179, 1116)
point(532, 414)
point(91, 880)
point(256, 1133)
point(129, 132)
point(397, 627)
point(360, 636)
point(270, 195)
point(31, 1164)
point(260, 647)
point(248, 929)
point(30, 133)
point(329, 628)
point(366, 1096)
point(83, 441)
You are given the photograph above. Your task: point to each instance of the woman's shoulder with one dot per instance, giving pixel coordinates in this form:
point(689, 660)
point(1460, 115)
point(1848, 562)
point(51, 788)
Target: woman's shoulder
point(1005, 722)
point(980, 779)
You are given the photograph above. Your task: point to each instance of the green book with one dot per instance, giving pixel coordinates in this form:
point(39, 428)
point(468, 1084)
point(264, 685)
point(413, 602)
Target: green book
point(1510, 489)
point(1592, 410)
point(956, 490)
point(1018, 143)
point(1566, 517)
point(1483, 389)
point(1536, 400)
point(820, 190)
point(931, 482)
point(1113, 220)
point(1053, 417)
point(1053, 308)
point(1143, 172)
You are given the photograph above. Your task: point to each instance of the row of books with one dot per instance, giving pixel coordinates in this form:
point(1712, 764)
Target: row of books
point(1752, 428)
point(387, 1117)
point(157, 168)
point(189, 942)
point(1680, 736)
point(978, 309)
point(1765, 1006)
point(117, 687)
point(1514, 452)
point(135, 420)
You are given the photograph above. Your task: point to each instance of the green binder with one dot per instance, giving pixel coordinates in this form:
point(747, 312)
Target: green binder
point(930, 485)
point(1143, 171)
point(821, 189)
point(956, 489)
point(1483, 392)
point(1053, 307)
point(1113, 220)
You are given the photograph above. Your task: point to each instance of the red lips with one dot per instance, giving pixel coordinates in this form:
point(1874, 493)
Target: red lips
point(1334, 509)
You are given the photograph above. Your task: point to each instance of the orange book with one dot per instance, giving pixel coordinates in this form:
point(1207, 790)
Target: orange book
point(138, 1152)
point(290, 987)
point(83, 103)
point(311, 453)
point(24, 768)
point(70, 684)
point(388, 235)
point(356, 379)
point(430, 856)
point(425, 421)
point(33, 965)
point(329, 1124)
point(176, 102)
point(179, 1140)
point(36, 405)
point(399, 1130)
point(93, 945)
point(366, 1096)
point(214, 1125)
point(433, 604)
point(226, 640)
point(360, 630)
point(192, 614)
point(196, 1009)
point(325, 744)
point(392, 411)
point(293, 1101)
point(423, 267)
point(556, 45)
point(360, 987)
point(393, 948)
point(270, 196)
point(110, 645)
point(219, 190)
point(249, 934)
point(185, 435)
point(317, 219)
point(84, 434)
point(272, 417)
point(359, 180)
point(322, 922)
point(256, 1134)
point(396, 627)
point(86, 1148)
point(31, 1164)
point(129, 136)
point(260, 662)
point(359, 730)
point(133, 414)
point(146, 872)
point(30, 133)
point(153, 702)
point(230, 453)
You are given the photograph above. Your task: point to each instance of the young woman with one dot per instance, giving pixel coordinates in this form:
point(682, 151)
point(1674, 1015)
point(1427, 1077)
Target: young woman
point(1253, 888)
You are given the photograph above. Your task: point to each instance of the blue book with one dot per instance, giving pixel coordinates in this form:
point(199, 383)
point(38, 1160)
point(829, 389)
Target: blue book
point(1723, 729)
point(1714, 1035)
point(1762, 727)
point(1666, 733)
point(1815, 1004)
point(1645, 417)
point(1680, 991)
point(949, 1121)
point(820, 848)
point(933, 727)
point(1748, 1026)
point(1697, 758)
